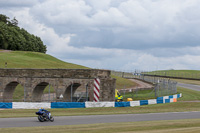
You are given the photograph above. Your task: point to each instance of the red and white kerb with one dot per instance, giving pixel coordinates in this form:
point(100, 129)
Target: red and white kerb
point(96, 89)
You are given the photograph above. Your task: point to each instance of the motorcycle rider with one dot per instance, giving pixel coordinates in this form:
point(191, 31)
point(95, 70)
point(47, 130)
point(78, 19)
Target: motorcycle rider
point(46, 113)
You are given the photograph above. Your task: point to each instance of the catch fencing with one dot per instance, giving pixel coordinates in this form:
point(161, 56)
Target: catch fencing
point(161, 86)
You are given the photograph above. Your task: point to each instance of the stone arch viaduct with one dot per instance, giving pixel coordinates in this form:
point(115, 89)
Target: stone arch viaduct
point(63, 81)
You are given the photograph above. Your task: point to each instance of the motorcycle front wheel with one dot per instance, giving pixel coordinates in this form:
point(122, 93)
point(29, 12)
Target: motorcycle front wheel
point(51, 119)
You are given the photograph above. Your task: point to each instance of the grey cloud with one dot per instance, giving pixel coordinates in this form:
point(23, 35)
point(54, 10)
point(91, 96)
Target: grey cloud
point(18, 3)
point(140, 24)
point(173, 51)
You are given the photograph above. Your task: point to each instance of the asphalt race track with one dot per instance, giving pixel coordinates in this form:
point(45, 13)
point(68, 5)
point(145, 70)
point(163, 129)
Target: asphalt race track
point(92, 119)
point(189, 86)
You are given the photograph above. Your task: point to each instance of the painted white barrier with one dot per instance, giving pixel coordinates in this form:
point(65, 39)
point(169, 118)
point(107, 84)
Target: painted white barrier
point(164, 98)
point(30, 105)
point(134, 103)
point(152, 101)
point(171, 100)
point(99, 104)
point(174, 96)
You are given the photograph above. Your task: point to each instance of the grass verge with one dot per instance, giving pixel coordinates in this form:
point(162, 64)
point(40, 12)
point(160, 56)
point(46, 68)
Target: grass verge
point(188, 95)
point(178, 126)
point(123, 83)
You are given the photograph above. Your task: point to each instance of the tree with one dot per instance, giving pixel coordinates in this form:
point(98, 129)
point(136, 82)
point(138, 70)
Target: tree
point(13, 37)
point(14, 22)
point(4, 18)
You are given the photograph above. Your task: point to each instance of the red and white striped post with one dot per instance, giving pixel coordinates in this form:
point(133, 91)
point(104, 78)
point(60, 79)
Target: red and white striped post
point(96, 89)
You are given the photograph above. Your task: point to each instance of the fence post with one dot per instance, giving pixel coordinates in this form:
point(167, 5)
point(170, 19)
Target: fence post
point(24, 93)
point(87, 92)
point(71, 91)
point(155, 90)
point(49, 93)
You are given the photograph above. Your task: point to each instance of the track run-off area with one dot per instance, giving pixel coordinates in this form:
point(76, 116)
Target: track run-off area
point(93, 119)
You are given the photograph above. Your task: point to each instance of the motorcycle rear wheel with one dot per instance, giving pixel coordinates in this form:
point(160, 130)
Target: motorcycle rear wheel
point(40, 118)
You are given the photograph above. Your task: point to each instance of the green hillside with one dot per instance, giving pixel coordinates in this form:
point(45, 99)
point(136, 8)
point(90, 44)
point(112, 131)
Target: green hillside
point(24, 59)
point(178, 71)
point(194, 74)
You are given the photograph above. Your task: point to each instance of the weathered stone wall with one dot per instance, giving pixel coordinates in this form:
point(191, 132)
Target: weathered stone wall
point(55, 73)
point(35, 80)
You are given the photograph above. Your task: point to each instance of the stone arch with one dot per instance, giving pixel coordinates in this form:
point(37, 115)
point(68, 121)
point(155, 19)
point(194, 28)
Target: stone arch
point(9, 90)
point(38, 91)
point(49, 93)
point(70, 89)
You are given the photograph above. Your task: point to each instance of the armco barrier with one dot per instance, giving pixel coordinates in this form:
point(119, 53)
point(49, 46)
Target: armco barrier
point(67, 105)
point(122, 104)
point(6, 105)
point(30, 105)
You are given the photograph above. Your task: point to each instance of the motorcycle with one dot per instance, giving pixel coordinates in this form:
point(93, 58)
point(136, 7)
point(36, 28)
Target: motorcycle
point(44, 116)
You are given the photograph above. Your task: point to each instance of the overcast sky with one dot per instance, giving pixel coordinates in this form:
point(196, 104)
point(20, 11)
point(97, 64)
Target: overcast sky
point(114, 34)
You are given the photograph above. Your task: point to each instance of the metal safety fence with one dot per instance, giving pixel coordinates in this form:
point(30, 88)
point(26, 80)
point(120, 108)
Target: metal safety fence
point(161, 86)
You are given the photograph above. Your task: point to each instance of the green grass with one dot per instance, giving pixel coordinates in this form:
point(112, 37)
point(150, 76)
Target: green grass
point(123, 83)
point(18, 94)
point(140, 94)
point(164, 126)
point(195, 82)
point(177, 73)
point(24, 59)
point(189, 95)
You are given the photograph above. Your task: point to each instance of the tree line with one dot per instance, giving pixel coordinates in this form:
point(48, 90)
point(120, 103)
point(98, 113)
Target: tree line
point(13, 37)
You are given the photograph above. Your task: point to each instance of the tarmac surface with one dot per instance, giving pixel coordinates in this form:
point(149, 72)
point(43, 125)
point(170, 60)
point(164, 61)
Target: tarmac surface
point(189, 86)
point(92, 119)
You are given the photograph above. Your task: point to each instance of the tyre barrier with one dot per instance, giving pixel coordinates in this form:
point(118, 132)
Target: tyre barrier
point(35, 105)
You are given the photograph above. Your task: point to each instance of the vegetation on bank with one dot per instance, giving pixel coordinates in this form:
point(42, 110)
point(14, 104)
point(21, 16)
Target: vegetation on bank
point(26, 59)
point(123, 83)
